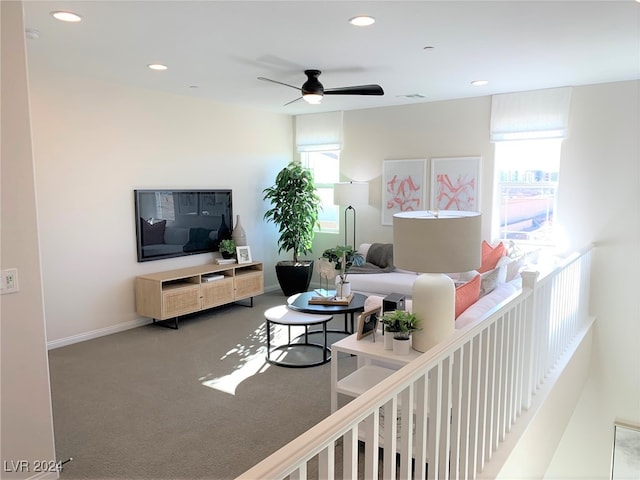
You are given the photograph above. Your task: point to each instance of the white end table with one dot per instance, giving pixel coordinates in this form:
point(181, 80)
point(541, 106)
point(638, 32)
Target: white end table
point(374, 364)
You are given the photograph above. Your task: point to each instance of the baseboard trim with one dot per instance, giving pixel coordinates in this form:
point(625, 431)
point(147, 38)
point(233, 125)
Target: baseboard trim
point(121, 327)
point(101, 332)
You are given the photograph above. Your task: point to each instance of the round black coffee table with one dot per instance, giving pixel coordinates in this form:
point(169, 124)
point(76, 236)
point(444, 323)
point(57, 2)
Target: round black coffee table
point(301, 351)
point(300, 303)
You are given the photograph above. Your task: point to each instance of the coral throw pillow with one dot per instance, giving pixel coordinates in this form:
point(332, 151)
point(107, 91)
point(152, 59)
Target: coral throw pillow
point(491, 255)
point(467, 295)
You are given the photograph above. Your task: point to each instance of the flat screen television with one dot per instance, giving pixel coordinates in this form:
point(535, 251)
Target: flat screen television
point(174, 223)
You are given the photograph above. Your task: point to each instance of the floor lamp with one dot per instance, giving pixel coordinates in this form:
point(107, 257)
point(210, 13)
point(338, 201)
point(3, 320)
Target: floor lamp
point(350, 194)
point(435, 243)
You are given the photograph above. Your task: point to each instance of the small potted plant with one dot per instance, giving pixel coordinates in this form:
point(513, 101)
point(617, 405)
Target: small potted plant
point(227, 248)
point(401, 324)
point(343, 257)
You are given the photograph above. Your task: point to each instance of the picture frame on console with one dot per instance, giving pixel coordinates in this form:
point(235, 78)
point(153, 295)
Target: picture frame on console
point(403, 187)
point(455, 183)
point(368, 323)
point(243, 254)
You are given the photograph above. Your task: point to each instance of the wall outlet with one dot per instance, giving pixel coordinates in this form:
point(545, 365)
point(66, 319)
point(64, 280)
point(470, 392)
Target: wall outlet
point(9, 281)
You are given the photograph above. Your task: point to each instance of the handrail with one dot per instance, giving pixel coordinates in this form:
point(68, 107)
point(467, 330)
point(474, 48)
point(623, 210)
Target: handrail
point(463, 395)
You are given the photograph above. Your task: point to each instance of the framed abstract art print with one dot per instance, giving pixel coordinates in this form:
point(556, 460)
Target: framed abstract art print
point(455, 184)
point(403, 187)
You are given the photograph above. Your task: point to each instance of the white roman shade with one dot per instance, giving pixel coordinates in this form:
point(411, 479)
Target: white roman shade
point(530, 115)
point(319, 132)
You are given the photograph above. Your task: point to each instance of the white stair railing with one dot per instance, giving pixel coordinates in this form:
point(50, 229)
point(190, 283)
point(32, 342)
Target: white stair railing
point(462, 396)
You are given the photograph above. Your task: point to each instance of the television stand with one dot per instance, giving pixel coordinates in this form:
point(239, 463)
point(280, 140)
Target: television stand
point(168, 295)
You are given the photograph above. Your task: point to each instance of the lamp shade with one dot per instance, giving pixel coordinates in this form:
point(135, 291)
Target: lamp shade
point(350, 193)
point(435, 243)
point(444, 242)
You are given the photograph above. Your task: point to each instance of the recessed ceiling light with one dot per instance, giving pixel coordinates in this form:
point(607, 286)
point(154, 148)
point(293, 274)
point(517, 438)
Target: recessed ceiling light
point(66, 16)
point(362, 21)
point(157, 66)
point(479, 83)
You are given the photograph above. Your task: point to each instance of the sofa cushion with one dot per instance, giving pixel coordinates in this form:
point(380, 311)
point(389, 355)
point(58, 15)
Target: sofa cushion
point(363, 249)
point(474, 312)
point(491, 255)
point(481, 308)
point(467, 294)
point(378, 259)
point(382, 283)
point(514, 267)
point(380, 255)
point(489, 281)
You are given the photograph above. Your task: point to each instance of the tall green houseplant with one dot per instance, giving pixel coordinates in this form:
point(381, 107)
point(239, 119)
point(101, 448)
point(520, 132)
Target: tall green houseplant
point(294, 210)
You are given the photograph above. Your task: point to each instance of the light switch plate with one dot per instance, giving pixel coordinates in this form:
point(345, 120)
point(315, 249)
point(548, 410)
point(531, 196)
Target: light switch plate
point(9, 281)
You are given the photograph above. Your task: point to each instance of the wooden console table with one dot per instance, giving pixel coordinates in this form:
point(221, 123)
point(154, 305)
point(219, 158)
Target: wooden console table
point(167, 295)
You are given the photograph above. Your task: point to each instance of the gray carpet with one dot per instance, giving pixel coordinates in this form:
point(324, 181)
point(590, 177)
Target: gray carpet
point(141, 403)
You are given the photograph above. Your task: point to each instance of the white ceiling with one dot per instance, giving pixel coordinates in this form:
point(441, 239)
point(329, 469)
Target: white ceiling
point(217, 49)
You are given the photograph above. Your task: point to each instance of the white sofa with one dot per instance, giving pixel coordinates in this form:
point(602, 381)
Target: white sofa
point(471, 314)
point(496, 285)
point(391, 280)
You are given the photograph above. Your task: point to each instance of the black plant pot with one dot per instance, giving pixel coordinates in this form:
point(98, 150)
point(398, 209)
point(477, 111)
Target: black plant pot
point(294, 277)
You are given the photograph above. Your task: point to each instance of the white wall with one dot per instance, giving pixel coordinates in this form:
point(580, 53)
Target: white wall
point(26, 421)
point(601, 203)
point(95, 143)
point(434, 129)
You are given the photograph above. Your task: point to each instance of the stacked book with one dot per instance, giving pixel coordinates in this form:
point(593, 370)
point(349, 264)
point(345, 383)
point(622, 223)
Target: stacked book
point(212, 277)
point(330, 300)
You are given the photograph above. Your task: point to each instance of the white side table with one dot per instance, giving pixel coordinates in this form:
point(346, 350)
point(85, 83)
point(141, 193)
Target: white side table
point(374, 364)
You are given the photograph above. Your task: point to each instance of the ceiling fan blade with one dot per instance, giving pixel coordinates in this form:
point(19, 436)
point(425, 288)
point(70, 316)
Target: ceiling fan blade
point(292, 101)
point(279, 83)
point(356, 90)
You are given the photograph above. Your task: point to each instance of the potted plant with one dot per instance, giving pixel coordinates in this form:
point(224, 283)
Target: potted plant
point(294, 210)
point(343, 257)
point(227, 248)
point(401, 324)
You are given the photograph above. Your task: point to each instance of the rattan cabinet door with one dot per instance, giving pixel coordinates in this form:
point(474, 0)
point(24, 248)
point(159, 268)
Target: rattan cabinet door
point(180, 301)
point(249, 284)
point(217, 292)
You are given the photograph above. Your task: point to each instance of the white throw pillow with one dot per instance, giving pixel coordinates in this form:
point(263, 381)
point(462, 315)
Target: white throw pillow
point(489, 281)
point(363, 249)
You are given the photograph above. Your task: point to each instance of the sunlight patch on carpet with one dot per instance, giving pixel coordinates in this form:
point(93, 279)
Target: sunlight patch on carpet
point(250, 360)
point(251, 365)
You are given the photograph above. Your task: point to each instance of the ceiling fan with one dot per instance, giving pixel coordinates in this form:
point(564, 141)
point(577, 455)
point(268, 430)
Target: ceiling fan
point(313, 91)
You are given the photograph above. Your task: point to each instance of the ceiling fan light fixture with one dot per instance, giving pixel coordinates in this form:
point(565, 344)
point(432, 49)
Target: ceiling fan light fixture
point(312, 98)
point(312, 90)
point(362, 21)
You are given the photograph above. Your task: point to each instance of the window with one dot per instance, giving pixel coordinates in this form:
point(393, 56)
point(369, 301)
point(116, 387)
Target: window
point(527, 190)
point(326, 172)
